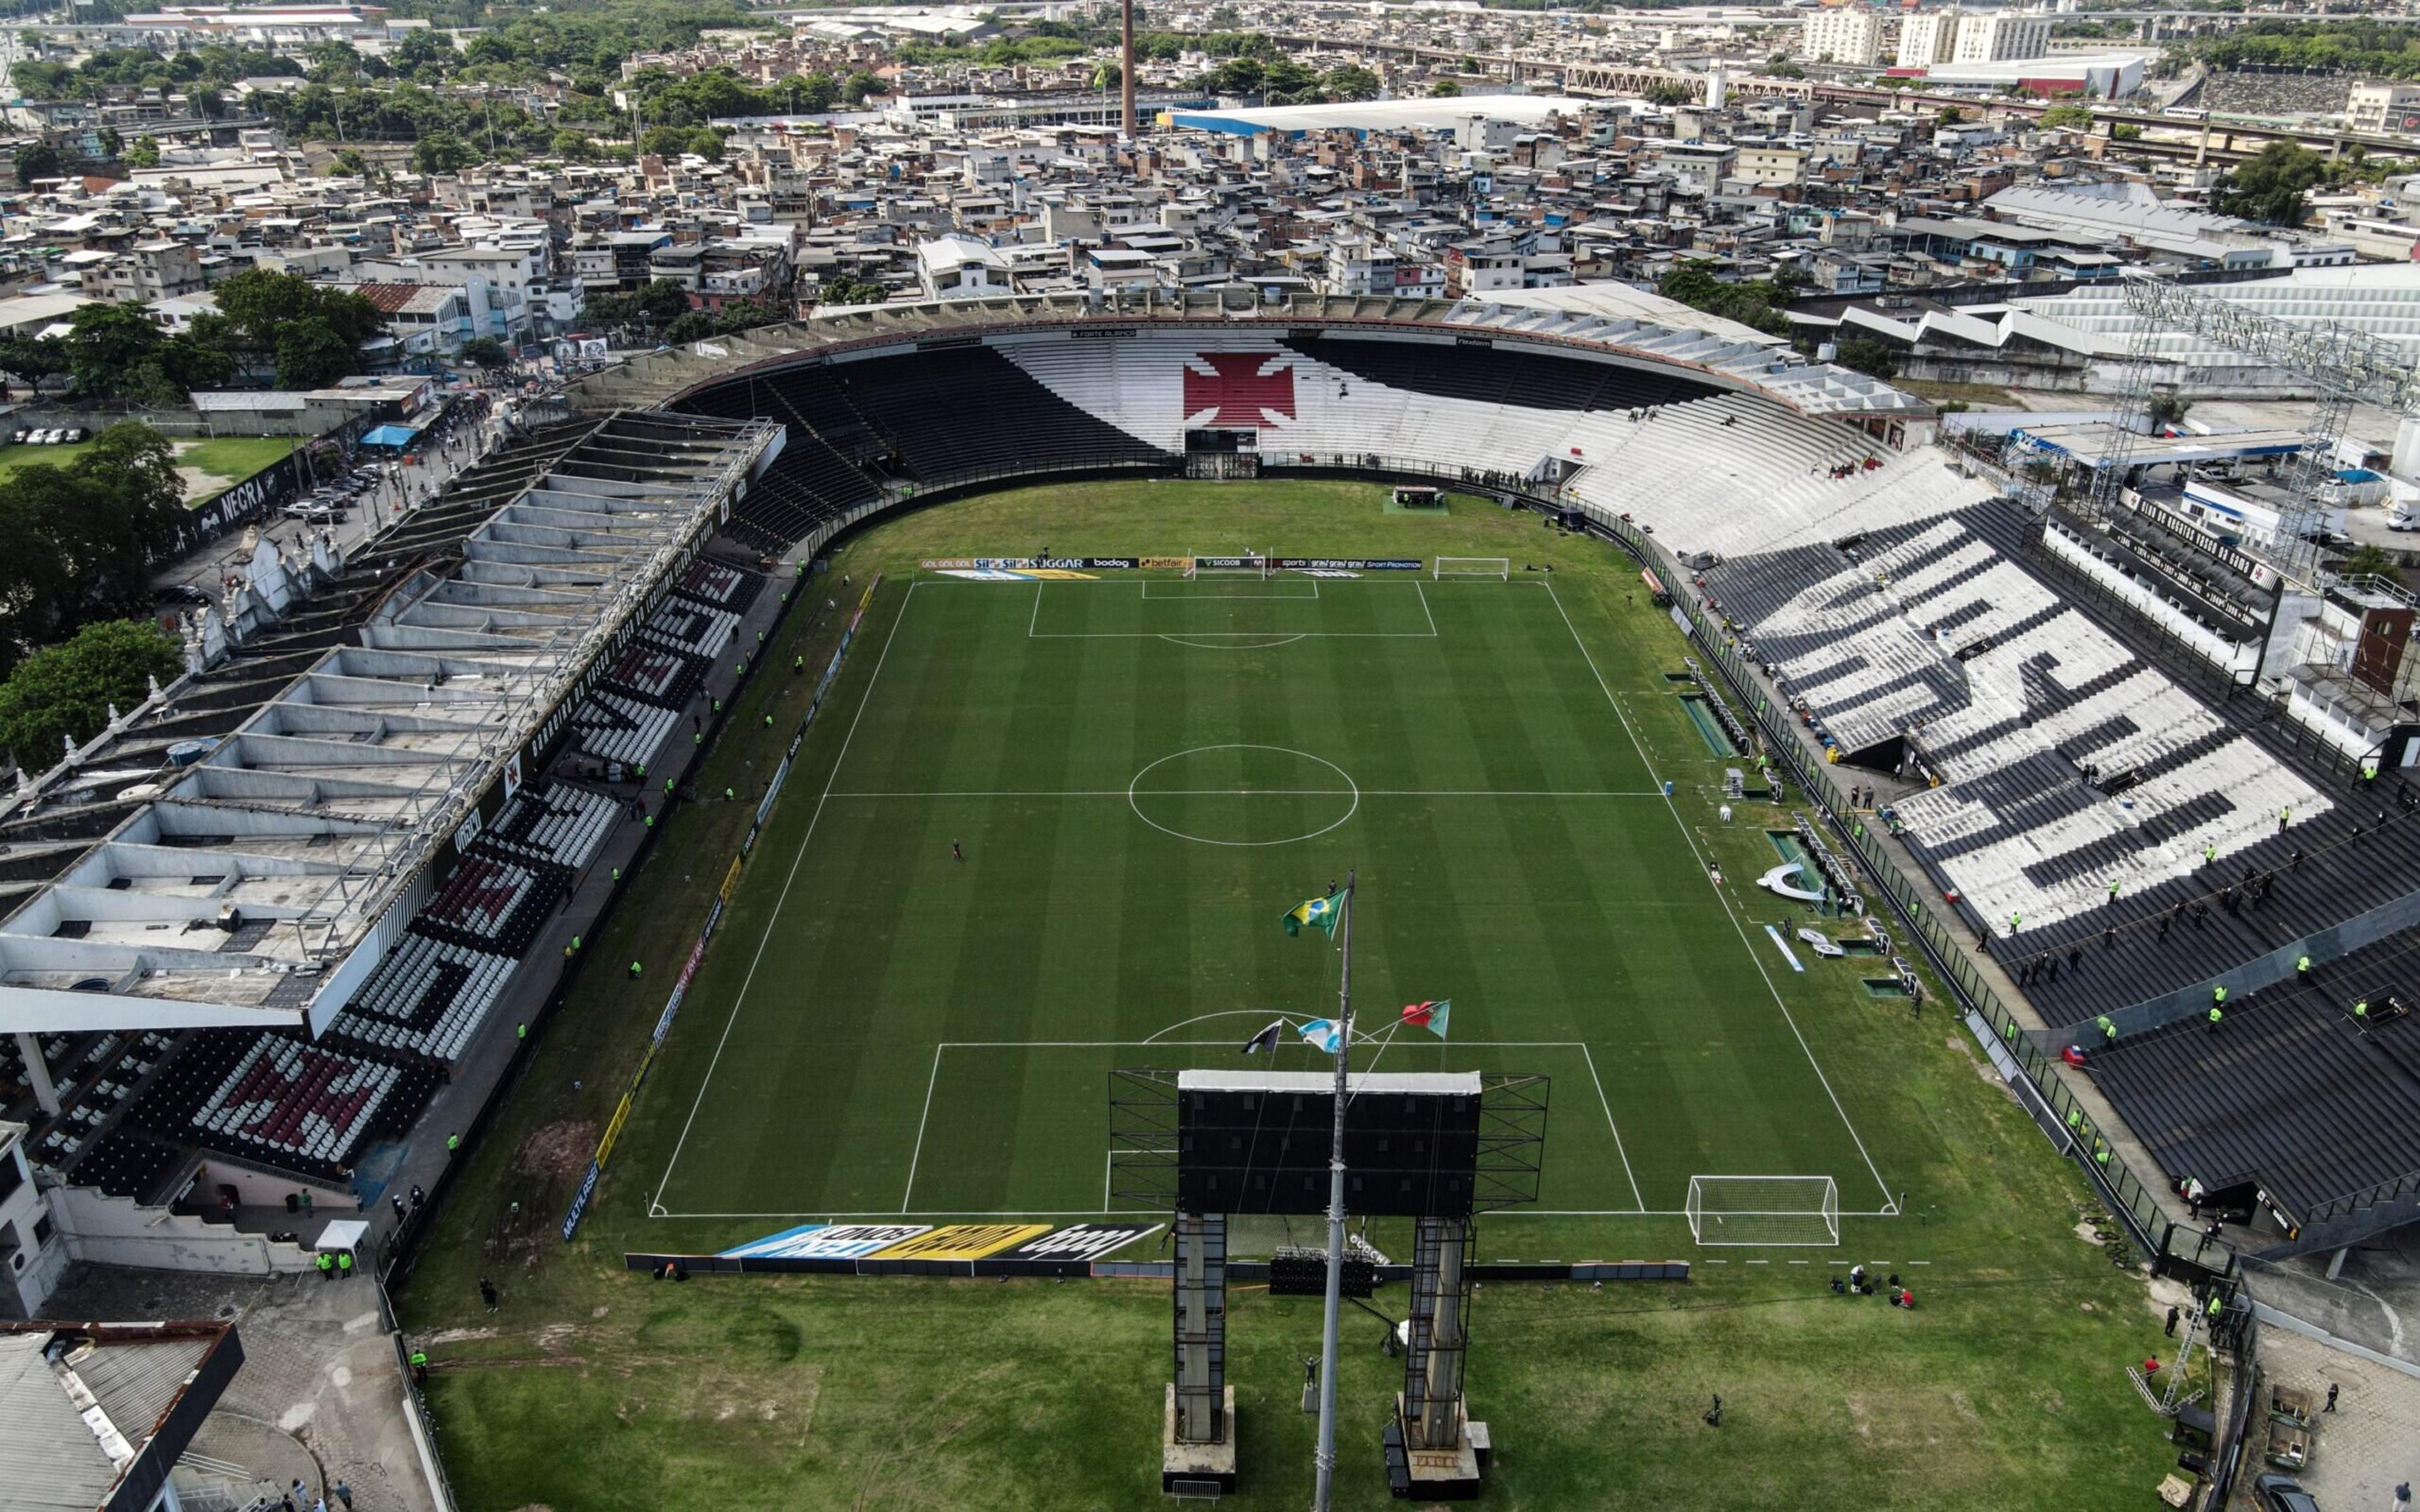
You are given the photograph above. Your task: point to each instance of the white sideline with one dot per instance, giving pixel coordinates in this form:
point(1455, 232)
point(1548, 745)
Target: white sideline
point(864, 701)
point(1691, 841)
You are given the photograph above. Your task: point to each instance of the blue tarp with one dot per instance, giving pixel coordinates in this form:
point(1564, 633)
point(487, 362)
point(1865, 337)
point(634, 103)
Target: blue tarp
point(398, 437)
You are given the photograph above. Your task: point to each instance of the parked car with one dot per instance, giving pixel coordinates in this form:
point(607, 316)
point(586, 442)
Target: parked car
point(17, 437)
point(180, 593)
point(315, 513)
point(72, 434)
point(2282, 1494)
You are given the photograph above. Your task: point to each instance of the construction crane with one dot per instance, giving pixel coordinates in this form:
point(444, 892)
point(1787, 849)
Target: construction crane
point(2345, 368)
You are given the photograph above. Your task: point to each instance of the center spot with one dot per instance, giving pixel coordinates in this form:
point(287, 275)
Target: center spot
point(1243, 794)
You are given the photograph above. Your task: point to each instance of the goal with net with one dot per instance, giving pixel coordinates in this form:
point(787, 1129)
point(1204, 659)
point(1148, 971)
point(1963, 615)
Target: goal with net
point(1240, 566)
point(1472, 567)
point(1765, 1209)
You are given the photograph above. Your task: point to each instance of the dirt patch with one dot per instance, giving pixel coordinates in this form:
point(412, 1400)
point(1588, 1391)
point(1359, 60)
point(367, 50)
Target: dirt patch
point(459, 1335)
point(557, 1152)
point(716, 1395)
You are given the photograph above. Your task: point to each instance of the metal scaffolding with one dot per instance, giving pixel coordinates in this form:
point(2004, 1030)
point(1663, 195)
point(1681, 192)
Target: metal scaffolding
point(2345, 366)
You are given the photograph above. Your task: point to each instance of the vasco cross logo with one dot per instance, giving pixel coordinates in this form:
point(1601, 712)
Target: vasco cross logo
point(1237, 391)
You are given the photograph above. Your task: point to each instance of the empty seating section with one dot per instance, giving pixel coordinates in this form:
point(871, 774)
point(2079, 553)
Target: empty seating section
point(691, 627)
point(488, 901)
point(561, 824)
point(616, 729)
point(968, 410)
point(2293, 1094)
point(127, 1164)
point(1501, 374)
point(299, 1105)
point(427, 997)
point(95, 1075)
point(1931, 629)
point(1738, 474)
point(658, 673)
point(818, 475)
point(721, 585)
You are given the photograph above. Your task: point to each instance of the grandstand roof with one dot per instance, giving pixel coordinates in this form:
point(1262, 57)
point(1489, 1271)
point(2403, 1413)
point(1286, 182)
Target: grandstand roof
point(1627, 323)
point(257, 825)
point(2089, 443)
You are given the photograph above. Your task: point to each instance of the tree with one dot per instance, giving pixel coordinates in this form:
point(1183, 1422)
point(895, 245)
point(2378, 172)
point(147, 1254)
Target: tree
point(486, 351)
point(256, 304)
point(1445, 89)
point(1751, 303)
point(2069, 118)
point(1667, 93)
point(442, 152)
point(65, 692)
point(1864, 354)
point(858, 86)
point(114, 353)
point(75, 540)
point(2370, 561)
point(2275, 186)
point(111, 143)
point(36, 160)
point(843, 289)
point(145, 153)
point(350, 163)
point(2168, 412)
point(1350, 81)
point(312, 354)
point(676, 141)
point(1107, 75)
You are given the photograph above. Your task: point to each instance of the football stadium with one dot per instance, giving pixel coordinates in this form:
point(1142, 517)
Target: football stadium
point(841, 919)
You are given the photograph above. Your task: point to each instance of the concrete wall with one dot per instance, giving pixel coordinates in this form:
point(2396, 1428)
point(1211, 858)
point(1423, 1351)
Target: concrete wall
point(258, 1189)
point(118, 1231)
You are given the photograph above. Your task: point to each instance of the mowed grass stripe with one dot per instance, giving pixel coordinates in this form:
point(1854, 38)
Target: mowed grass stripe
point(724, 981)
point(1546, 918)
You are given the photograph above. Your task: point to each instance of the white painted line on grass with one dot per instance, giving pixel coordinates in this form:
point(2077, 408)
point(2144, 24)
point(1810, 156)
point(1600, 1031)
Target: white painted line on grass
point(864, 702)
point(1636, 1195)
point(921, 1120)
point(1724, 898)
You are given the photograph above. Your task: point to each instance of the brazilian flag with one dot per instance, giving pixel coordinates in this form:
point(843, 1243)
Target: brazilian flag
point(1319, 913)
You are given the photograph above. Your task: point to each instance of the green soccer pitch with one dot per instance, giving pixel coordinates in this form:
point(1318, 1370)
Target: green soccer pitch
point(1491, 755)
point(1142, 773)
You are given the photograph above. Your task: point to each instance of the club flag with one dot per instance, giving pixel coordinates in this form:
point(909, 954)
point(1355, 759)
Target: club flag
point(1265, 1039)
point(1319, 913)
point(1429, 1016)
point(1324, 1033)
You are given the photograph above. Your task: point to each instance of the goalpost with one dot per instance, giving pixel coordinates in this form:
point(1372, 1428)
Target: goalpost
point(1472, 567)
point(1236, 566)
point(1765, 1209)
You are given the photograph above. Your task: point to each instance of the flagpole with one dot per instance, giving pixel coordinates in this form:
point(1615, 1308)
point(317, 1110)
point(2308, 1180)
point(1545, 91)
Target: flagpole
point(1326, 1456)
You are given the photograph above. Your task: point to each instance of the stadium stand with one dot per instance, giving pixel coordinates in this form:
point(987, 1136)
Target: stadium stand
point(2292, 1095)
point(138, 1110)
point(427, 998)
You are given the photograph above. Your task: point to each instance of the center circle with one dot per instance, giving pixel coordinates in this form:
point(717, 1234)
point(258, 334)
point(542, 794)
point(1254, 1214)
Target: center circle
point(1243, 794)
